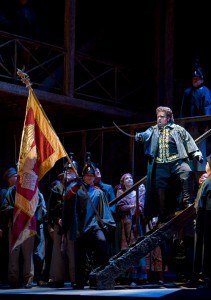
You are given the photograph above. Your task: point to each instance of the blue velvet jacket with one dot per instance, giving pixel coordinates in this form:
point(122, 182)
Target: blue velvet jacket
point(186, 148)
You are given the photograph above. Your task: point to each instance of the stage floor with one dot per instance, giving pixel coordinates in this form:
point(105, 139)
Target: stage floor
point(153, 291)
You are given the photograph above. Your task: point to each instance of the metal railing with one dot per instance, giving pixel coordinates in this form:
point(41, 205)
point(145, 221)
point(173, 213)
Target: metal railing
point(41, 61)
point(94, 80)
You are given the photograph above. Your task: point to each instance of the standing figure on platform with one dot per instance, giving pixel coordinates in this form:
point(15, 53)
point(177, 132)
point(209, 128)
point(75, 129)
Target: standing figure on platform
point(196, 101)
point(168, 147)
point(131, 211)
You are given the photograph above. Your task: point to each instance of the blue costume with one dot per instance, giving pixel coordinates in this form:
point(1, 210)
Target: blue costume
point(196, 101)
point(86, 228)
point(168, 149)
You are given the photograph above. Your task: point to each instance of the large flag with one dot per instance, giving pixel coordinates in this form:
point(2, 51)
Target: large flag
point(39, 150)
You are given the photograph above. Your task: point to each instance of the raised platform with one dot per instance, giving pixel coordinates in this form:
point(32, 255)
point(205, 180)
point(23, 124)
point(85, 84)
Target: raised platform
point(167, 291)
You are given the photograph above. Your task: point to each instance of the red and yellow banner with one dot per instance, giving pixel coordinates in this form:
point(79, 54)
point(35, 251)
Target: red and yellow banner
point(39, 150)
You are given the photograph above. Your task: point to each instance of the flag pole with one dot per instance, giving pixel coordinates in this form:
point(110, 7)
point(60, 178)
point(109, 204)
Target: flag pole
point(26, 80)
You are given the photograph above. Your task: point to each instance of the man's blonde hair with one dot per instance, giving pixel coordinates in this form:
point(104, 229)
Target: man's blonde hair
point(167, 111)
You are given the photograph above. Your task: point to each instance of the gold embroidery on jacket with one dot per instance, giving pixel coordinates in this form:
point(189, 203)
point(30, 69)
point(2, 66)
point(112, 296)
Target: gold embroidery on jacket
point(163, 151)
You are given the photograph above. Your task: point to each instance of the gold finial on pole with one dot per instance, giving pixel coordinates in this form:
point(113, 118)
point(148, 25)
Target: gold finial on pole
point(24, 77)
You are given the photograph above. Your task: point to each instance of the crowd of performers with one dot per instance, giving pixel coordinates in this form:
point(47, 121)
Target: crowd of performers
point(79, 231)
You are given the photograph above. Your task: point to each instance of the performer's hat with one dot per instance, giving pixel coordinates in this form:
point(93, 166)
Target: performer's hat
point(89, 167)
point(198, 73)
point(70, 166)
point(73, 166)
point(9, 173)
point(74, 163)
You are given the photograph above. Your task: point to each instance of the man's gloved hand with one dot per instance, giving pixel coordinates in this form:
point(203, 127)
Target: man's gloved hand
point(138, 137)
point(198, 156)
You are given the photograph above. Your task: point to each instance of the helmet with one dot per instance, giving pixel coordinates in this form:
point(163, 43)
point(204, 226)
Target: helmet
point(9, 173)
point(198, 71)
point(74, 163)
point(89, 167)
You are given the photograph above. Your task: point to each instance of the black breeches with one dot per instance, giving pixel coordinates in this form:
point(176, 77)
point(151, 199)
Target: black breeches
point(172, 179)
point(91, 243)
